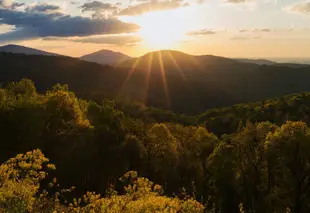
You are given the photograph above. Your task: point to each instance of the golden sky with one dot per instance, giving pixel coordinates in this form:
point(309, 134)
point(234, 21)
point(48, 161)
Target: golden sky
point(231, 28)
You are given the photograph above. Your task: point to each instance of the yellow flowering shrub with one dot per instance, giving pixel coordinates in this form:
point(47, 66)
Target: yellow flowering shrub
point(20, 182)
point(142, 196)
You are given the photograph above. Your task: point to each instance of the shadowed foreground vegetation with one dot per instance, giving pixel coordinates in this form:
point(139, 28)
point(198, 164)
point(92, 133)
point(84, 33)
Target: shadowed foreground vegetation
point(257, 162)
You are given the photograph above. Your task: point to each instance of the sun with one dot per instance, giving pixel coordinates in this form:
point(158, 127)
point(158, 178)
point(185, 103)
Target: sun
point(161, 29)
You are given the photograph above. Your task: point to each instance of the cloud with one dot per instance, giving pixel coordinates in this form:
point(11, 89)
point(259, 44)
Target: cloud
point(239, 38)
point(30, 25)
point(200, 32)
point(106, 39)
point(237, 1)
point(43, 8)
point(100, 9)
point(97, 6)
point(74, 2)
point(8, 4)
point(266, 30)
point(152, 5)
point(301, 7)
point(5, 3)
point(116, 40)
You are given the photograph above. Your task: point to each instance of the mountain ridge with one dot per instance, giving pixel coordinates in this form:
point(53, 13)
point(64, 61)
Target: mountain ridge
point(12, 48)
point(105, 56)
point(173, 81)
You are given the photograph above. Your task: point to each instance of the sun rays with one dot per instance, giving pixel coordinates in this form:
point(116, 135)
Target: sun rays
point(148, 75)
point(152, 68)
point(163, 76)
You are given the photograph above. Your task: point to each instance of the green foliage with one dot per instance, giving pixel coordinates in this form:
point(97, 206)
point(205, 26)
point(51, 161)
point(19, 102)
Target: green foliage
point(3, 96)
point(261, 166)
point(163, 149)
point(23, 88)
point(228, 120)
point(288, 153)
point(134, 153)
point(64, 107)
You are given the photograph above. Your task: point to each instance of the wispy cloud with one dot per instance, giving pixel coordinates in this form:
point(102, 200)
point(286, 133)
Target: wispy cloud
point(153, 5)
point(239, 38)
point(201, 32)
point(265, 30)
point(116, 40)
point(300, 7)
point(237, 1)
point(121, 40)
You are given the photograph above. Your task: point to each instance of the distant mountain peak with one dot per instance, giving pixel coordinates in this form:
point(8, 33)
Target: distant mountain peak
point(13, 48)
point(105, 51)
point(105, 56)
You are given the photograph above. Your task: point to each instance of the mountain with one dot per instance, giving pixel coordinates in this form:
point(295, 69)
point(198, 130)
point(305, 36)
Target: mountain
point(11, 48)
point(257, 61)
point(173, 61)
point(191, 84)
point(268, 62)
point(166, 79)
point(106, 57)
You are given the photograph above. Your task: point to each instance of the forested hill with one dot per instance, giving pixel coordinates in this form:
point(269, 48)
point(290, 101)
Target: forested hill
point(227, 120)
point(168, 80)
point(294, 107)
point(259, 167)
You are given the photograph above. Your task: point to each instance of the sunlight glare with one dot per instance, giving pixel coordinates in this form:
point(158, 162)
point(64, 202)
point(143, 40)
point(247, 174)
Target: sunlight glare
point(161, 29)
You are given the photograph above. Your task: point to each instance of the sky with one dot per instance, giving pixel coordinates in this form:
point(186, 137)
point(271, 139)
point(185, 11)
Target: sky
point(230, 28)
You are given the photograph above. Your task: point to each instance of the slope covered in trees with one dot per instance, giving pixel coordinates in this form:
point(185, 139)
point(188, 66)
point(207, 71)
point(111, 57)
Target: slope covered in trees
point(168, 80)
point(259, 166)
point(294, 107)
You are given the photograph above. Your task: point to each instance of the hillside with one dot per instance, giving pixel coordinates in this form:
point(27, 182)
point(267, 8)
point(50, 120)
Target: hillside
point(106, 57)
point(24, 50)
point(167, 79)
point(257, 61)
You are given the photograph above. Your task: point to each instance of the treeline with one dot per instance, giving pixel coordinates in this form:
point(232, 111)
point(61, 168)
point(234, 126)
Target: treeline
point(260, 166)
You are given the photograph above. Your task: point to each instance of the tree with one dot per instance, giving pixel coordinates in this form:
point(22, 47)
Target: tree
point(252, 165)
point(25, 87)
point(134, 154)
point(288, 151)
point(163, 151)
point(223, 188)
point(195, 152)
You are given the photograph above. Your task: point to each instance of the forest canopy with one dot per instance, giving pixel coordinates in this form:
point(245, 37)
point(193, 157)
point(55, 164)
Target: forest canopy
point(251, 157)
